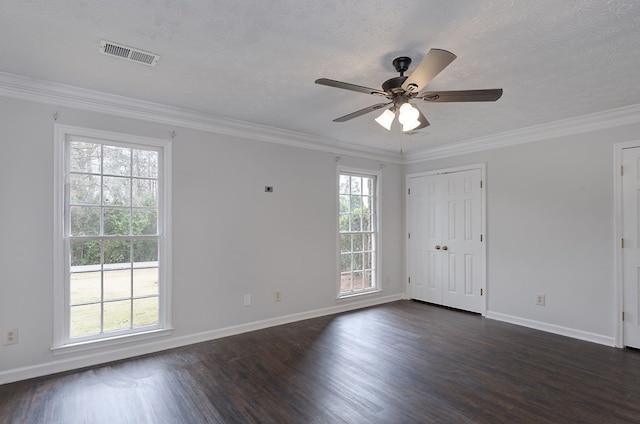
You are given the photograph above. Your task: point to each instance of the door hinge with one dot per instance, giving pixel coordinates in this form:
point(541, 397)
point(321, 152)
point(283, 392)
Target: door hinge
point(480, 183)
point(622, 315)
point(621, 170)
point(409, 280)
point(622, 243)
point(481, 292)
point(409, 235)
point(409, 191)
point(481, 237)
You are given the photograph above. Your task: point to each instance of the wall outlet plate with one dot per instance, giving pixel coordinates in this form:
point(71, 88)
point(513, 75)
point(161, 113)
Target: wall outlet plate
point(11, 337)
point(540, 299)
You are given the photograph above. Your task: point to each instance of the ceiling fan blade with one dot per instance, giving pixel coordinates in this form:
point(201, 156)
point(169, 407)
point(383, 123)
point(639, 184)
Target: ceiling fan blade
point(352, 87)
point(361, 112)
point(433, 63)
point(490, 95)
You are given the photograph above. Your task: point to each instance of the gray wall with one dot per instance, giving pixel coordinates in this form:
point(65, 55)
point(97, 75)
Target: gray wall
point(230, 238)
point(550, 215)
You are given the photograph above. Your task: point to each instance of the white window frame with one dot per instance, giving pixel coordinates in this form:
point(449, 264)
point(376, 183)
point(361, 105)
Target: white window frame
point(62, 343)
point(377, 286)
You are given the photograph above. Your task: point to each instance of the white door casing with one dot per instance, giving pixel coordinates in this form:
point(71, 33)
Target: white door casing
point(446, 250)
point(630, 244)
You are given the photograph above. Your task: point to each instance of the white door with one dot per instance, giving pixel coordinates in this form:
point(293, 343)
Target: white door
point(631, 250)
point(446, 259)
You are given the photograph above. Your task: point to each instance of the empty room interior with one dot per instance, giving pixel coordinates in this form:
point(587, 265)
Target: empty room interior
point(320, 212)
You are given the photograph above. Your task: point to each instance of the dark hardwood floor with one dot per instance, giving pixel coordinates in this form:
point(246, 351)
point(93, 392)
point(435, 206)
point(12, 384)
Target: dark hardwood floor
point(403, 362)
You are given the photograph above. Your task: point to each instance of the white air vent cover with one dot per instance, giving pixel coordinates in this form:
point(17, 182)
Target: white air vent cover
point(128, 53)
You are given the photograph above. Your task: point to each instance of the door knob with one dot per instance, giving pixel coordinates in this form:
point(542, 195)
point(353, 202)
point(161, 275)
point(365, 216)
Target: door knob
point(438, 247)
point(445, 248)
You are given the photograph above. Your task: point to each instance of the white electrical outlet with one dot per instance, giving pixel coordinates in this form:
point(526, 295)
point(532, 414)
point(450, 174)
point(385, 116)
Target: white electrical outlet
point(540, 300)
point(277, 297)
point(247, 300)
point(11, 336)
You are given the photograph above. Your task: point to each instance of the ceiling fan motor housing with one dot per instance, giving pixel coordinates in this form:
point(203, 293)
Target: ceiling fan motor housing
point(394, 85)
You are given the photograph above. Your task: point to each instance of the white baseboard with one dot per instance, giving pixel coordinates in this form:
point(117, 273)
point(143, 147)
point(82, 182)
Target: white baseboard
point(157, 345)
point(555, 329)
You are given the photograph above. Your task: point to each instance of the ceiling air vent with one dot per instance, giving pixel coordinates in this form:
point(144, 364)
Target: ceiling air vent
point(128, 53)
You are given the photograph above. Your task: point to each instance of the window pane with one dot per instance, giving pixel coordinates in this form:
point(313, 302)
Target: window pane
point(145, 193)
point(117, 284)
point(85, 221)
point(366, 204)
point(145, 221)
point(345, 184)
point(145, 251)
point(345, 282)
point(345, 243)
point(344, 223)
point(367, 280)
point(85, 189)
point(145, 282)
point(357, 243)
point(145, 311)
point(85, 157)
point(358, 283)
point(145, 163)
point(366, 222)
point(85, 320)
point(344, 204)
point(356, 204)
point(85, 287)
point(367, 242)
point(85, 253)
point(356, 223)
point(117, 221)
point(117, 191)
point(117, 252)
point(345, 262)
point(367, 186)
point(357, 261)
point(116, 160)
point(356, 185)
point(117, 315)
point(367, 261)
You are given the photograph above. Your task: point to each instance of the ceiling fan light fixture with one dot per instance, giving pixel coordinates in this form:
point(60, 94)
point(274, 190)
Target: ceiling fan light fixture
point(408, 117)
point(386, 119)
point(410, 126)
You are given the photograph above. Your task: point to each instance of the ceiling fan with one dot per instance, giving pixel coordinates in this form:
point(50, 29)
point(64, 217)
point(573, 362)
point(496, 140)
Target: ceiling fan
point(400, 90)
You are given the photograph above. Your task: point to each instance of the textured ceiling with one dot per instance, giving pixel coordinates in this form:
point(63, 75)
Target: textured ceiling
point(256, 61)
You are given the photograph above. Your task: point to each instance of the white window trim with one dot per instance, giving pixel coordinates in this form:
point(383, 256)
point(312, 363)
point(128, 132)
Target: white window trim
point(60, 342)
point(378, 256)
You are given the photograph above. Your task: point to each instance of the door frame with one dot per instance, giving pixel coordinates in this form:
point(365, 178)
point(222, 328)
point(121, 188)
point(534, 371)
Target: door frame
point(483, 223)
point(617, 239)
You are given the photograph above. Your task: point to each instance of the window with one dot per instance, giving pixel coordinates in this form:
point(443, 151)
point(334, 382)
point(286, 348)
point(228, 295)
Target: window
point(358, 232)
point(113, 236)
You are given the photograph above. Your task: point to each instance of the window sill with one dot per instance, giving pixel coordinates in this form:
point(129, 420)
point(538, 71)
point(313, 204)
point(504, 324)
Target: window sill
point(357, 295)
point(110, 342)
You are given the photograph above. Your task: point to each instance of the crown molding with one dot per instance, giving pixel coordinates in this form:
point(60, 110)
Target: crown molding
point(40, 91)
point(582, 124)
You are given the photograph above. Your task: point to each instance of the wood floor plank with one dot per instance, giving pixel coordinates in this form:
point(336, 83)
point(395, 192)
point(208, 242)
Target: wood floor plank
point(402, 362)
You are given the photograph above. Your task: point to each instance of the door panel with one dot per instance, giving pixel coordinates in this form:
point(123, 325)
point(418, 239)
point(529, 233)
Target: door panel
point(451, 205)
point(631, 251)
